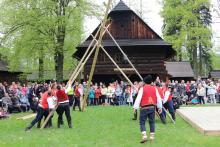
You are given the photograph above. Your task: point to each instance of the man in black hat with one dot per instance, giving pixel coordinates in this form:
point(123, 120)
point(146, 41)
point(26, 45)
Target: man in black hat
point(148, 98)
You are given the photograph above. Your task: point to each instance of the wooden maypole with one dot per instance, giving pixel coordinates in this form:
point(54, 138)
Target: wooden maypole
point(96, 54)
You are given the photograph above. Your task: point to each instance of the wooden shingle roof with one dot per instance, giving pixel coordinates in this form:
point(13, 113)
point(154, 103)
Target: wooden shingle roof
point(121, 6)
point(179, 69)
point(215, 74)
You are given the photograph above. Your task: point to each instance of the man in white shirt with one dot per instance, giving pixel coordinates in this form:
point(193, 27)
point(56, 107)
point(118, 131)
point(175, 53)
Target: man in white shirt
point(148, 97)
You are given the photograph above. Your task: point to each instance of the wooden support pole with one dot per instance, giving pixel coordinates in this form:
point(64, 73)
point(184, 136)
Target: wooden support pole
point(96, 54)
point(48, 117)
point(70, 82)
point(129, 61)
point(72, 79)
point(126, 77)
point(83, 64)
point(169, 116)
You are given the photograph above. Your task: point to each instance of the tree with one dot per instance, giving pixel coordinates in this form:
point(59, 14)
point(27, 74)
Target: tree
point(187, 26)
point(43, 32)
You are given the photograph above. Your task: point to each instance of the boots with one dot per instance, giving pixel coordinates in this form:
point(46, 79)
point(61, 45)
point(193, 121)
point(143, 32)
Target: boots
point(144, 137)
point(70, 124)
point(152, 136)
point(58, 124)
point(135, 116)
point(28, 128)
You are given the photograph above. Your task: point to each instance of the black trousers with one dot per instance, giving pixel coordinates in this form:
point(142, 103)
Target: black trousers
point(201, 99)
point(40, 113)
point(77, 103)
point(71, 99)
point(60, 110)
point(147, 113)
point(169, 106)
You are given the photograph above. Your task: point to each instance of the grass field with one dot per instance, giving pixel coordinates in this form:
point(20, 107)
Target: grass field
point(103, 127)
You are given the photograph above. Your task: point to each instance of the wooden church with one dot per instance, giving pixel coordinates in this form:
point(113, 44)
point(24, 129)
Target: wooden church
point(143, 46)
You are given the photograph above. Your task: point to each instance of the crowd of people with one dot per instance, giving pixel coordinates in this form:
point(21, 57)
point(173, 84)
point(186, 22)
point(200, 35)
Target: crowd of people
point(22, 98)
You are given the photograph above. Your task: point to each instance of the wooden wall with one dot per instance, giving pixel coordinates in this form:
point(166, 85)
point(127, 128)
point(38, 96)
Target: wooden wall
point(151, 62)
point(8, 77)
point(128, 26)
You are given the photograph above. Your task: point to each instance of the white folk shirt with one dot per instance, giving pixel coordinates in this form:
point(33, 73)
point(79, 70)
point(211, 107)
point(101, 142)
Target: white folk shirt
point(166, 96)
point(139, 97)
point(51, 102)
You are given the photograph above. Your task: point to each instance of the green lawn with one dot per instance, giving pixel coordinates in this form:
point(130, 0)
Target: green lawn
point(103, 127)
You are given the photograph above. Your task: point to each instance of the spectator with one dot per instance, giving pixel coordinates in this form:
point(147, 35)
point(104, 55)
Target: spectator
point(201, 93)
point(212, 92)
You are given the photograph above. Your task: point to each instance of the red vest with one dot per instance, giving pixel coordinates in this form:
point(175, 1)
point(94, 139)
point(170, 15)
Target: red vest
point(160, 91)
point(77, 94)
point(149, 96)
point(43, 102)
point(61, 96)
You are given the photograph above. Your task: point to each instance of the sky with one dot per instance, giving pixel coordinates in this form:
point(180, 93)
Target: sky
point(151, 15)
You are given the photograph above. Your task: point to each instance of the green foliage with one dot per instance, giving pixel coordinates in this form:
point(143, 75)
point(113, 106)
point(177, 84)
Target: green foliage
point(215, 61)
point(187, 28)
point(33, 31)
point(102, 127)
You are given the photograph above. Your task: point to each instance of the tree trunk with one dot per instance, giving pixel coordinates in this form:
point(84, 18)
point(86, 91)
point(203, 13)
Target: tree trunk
point(195, 60)
point(41, 65)
point(200, 59)
point(180, 58)
point(60, 37)
point(59, 54)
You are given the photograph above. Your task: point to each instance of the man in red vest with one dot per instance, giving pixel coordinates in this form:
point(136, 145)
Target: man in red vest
point(63, 106)
point(42, 109)
point(148, 97)
point(160, 91)
point(77, 95)
point(168, 102)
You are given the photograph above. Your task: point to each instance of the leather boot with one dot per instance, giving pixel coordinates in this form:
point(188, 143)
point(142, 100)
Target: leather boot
point(28, 128)
point(135, 116)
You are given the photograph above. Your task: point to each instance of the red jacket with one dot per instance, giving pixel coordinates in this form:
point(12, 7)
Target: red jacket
point(149, 96)
point(98, 93)
point(43, 101)
point(62, 96)
point(77, 93)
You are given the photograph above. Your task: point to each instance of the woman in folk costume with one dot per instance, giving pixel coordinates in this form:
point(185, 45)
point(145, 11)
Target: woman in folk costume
point(168, 102)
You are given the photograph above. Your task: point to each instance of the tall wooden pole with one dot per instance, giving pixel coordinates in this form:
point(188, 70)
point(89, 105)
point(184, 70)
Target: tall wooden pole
point(122, 72)
point(70, 82)
point(96, 54)
point(129, 61)
point(81, 64)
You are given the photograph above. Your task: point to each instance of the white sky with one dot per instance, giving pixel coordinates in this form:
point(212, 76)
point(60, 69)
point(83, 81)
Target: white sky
point(151, 15)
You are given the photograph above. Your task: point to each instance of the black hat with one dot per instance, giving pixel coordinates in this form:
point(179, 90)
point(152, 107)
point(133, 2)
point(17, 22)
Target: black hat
point(148, 79)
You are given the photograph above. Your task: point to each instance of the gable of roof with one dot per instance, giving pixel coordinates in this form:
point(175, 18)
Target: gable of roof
point(179, 69)
point(121, 6)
